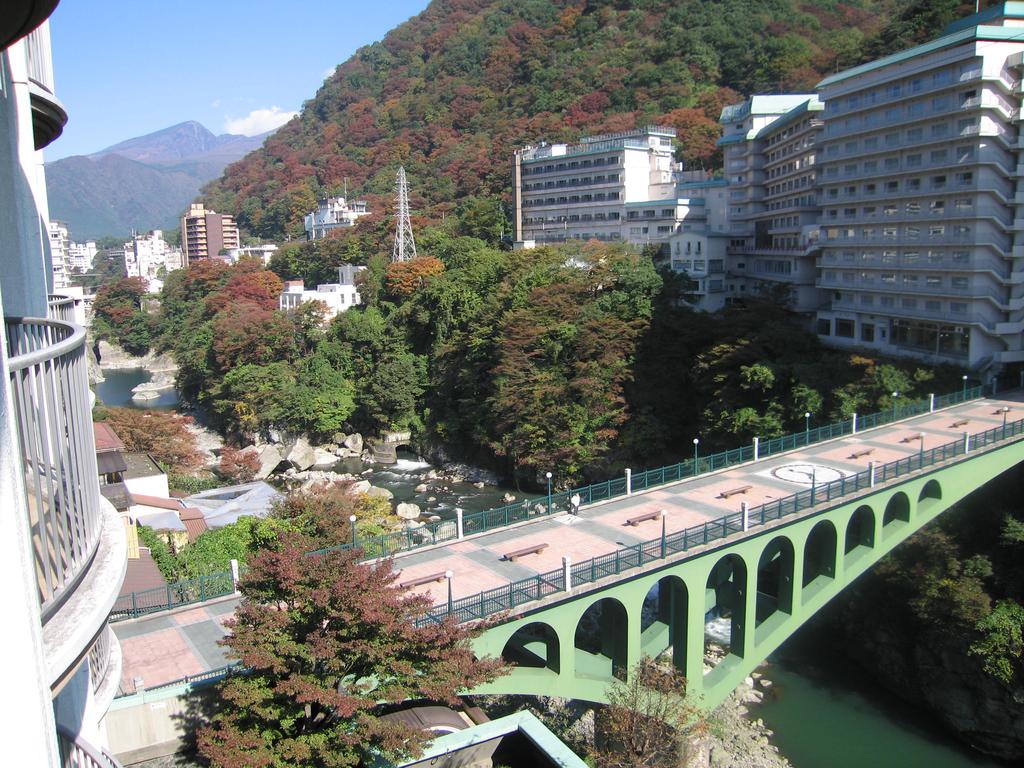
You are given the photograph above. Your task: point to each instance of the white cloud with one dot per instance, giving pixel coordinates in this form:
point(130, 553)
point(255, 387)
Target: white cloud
point(258, 121)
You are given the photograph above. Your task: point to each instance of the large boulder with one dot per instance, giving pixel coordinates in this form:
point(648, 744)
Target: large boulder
point(323, 459)
point(408, 511)
point(269, 457)
point(354, 442)
point(360, 486)
point(302, 456)
point(383, 493)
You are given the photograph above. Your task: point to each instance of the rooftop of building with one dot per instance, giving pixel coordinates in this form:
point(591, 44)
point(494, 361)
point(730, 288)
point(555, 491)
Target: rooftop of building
point(969, 29)
point(141, 465)
point(106, 438)
point(763, 104)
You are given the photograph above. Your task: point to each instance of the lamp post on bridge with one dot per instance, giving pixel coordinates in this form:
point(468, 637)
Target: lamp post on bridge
point(696, 442)
point(448, 575)
point(664, 517)
point(1005, 409)
point(352, 525)
point(807, 426)
point(920, 436)
point(895, 397)
point(548, 476)
point(964, 377)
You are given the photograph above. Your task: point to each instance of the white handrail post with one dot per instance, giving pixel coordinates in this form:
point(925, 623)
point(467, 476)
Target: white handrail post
point(871, 474)
point(931, 403)
point(967, 442)
point(629, 481)
point(757, 448)
point(746, 515)
point(567, 572)
point(854, 420)
point(458, 522)
point(234, 574)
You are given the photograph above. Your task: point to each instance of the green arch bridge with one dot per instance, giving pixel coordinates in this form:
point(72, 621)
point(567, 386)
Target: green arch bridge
point(808, 522)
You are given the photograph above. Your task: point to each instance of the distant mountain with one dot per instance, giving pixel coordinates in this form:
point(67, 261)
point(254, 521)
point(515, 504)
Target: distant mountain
point(142, 183)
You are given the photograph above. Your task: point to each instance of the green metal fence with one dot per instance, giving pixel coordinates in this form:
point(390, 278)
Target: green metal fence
point(172, 595)
point(505, 598)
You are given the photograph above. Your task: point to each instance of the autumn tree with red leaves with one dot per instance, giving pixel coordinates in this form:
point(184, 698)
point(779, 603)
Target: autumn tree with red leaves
point(327, 641)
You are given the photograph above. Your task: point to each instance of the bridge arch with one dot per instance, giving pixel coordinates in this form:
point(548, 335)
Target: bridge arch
point(663, 620)
point(897, 512)
point(860, 533)
point(535, 645)
point(930, 495)
point(819, 558)
point(775, 569)
point(726, 599)
point(601, 640)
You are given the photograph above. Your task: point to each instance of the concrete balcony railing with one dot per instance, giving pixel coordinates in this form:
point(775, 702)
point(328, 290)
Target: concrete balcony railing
point(48, 114)
point(75, 752)
point(61, 308)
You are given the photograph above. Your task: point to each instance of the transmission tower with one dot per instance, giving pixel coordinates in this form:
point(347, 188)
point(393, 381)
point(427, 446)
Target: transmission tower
point(405, 244)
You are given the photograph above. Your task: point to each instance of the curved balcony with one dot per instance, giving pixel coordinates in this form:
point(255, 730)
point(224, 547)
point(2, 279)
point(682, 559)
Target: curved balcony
point(77, 538)
point(75, 752)
point(48, 114)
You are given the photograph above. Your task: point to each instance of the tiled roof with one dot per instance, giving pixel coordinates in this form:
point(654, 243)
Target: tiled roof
point(106, 438)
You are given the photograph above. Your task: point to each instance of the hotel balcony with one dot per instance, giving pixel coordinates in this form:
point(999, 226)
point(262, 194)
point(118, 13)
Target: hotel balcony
point(77, 539)
point(48, 115)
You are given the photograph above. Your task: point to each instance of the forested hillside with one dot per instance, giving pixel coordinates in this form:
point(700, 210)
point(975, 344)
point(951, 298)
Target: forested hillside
point(451, 92)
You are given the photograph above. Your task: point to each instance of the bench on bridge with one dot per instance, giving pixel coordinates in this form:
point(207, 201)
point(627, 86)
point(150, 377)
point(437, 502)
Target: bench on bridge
point(734, 491)
point(998, 411)
point(861, 453)
point(536, 549)
point(959, 423)
point(910, 438)
point(422, 580)
point(644, 517)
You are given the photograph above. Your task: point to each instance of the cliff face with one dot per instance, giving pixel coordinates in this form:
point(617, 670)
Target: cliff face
point(932, 669)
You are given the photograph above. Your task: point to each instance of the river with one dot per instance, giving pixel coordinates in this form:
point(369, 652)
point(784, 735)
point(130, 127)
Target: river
point(116, 389)
point(827, 713)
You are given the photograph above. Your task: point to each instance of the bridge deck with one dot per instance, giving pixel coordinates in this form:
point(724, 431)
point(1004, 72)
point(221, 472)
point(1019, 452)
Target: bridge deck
point(164, 647)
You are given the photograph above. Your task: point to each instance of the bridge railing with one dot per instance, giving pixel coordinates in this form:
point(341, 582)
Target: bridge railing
point(175, 595)
point(507, 597)
point(556, 503)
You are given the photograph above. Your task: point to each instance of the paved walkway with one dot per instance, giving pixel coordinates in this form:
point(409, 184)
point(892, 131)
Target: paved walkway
point(170, 646)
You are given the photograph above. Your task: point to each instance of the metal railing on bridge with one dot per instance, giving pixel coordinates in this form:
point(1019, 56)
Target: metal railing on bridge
point(187, 592)
point(509, 596)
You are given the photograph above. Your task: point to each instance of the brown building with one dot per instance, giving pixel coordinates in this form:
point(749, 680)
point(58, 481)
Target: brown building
point(206, 233)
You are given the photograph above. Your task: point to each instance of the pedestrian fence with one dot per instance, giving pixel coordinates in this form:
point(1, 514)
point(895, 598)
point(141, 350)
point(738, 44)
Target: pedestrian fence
point(533, 588)
point(384, 545)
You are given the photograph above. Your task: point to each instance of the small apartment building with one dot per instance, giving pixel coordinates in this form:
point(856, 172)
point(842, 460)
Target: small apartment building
point(338, 297)
point(769, 147)
point(262, 252)
point(60, 243)
point(206, 234)
point(149, 256)
point(918, 168)
point(581, 191)
point(331, 214)
point(697, 247)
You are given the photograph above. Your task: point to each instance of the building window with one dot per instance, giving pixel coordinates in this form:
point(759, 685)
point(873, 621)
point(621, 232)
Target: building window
point(844, 328)
point(867, 332)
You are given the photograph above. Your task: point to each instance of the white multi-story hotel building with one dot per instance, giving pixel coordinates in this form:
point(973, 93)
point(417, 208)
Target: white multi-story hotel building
point(618, 186)
point(922, 242)
point(333, 213)
point(59, 244)
point(698, 246)
point(81, 255)
point(62, 545)
point(337, 297)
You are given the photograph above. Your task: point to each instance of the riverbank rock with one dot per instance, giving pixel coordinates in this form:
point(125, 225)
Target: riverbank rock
point(112, 357)
point(735, 739)
point(421, 488)
point(301, 456)
point(323, 459)
point(381, 493)
point(209, 443)
point(464, 473)
point(354, 443)
point(269, 457)
point(508, 498)
point(408, 511)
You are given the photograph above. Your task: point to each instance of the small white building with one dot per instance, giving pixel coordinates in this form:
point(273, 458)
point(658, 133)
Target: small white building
point(262, 252)
point(337, 296)
point(150, 256)
point(333, 213)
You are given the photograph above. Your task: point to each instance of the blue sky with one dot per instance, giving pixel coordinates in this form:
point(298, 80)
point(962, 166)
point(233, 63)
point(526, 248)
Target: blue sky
point(124, 68)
